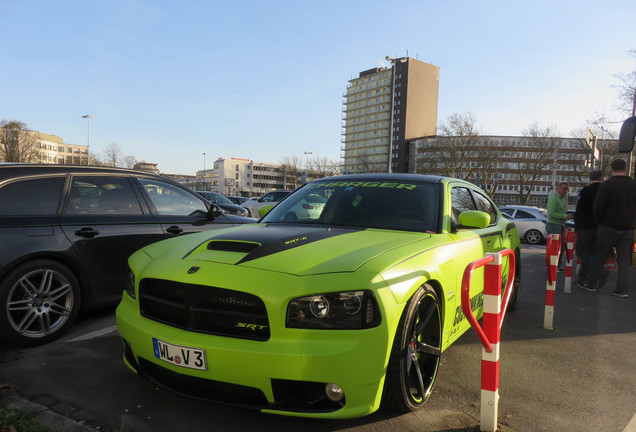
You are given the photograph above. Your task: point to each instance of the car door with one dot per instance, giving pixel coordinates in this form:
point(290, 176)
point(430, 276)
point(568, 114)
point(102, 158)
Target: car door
point(178, 210)
point(492, 235)
point(106, 221)
point(470, 244)
point(28, 218)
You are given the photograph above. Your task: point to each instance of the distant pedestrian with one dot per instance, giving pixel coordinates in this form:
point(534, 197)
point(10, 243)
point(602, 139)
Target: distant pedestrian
point(585, 224)
point(614, 210)
point(557, 215)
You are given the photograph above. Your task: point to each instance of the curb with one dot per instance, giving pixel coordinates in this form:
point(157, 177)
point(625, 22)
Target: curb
point(41, 414)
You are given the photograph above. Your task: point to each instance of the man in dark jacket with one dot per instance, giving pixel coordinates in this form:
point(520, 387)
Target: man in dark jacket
point(614, 210)
point(586, 226)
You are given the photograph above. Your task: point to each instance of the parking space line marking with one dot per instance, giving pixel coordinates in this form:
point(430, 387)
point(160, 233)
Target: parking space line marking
point(94, 334)
point(631, 426)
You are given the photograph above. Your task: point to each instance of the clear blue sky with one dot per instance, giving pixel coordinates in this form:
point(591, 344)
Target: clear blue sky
point(169, 80)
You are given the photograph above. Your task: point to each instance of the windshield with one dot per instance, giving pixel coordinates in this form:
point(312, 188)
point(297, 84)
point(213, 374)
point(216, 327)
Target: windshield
point(411, 206)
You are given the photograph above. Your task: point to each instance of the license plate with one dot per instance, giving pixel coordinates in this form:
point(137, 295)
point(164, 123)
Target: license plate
point(183, 356)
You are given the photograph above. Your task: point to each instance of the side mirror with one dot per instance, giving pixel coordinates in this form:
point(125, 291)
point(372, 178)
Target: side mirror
point(627, 135)
point(474, 219)
point(215, 211)
point(264, 210)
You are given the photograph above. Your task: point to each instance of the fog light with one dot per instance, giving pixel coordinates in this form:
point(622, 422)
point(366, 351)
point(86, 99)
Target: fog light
point(334, 392)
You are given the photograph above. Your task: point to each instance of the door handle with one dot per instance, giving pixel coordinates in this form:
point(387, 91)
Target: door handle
point(86, 232)
point(175, 230)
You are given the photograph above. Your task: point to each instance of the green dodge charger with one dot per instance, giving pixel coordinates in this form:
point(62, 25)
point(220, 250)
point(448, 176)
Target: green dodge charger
point(342, 298)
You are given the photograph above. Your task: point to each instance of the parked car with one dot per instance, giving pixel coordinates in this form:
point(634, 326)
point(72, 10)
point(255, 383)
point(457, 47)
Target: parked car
point(323, 317)
point(237, 199)
point(530, 222)
point(225, 203)
point(67, 232)
point(270, 198)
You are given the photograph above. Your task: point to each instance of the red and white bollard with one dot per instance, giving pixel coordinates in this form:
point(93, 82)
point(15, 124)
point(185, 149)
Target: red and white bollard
point(494, 311)
point(490, 360)
point(569, 255)
point(552, 251)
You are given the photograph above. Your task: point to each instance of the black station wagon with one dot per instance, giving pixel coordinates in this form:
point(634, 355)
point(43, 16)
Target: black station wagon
point(66, 234)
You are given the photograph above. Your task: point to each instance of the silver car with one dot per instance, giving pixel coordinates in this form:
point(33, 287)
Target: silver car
point(530, 222)
point(270, 198)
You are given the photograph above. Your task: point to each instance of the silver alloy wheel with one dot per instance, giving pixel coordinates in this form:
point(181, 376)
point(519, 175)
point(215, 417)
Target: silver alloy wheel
point(533, 236)
point(40, 303)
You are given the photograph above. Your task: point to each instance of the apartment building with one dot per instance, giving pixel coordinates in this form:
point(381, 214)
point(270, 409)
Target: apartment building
point(38, 147)
point(245, 177)
point(53, 150)
point(543, 164)
point(384, 108)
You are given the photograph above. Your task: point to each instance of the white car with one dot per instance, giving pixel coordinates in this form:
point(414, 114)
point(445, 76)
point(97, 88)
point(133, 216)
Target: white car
point(270, 198)
point(530, 222)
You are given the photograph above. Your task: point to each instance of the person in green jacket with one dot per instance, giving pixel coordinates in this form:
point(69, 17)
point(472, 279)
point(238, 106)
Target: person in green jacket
point(557, 215)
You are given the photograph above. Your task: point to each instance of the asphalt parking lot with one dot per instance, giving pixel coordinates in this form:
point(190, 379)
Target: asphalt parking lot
point(577, 377)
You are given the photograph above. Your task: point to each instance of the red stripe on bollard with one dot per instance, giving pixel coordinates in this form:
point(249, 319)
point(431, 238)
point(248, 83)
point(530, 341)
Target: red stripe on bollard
point(552, 251)
point(491, 322)
point(490, 375)
point(549, 298)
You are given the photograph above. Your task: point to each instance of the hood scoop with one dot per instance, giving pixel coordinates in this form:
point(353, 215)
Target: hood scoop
point(232, 246)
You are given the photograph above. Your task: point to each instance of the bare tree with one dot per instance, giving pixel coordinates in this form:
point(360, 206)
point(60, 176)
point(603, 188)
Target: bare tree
point(627, 90)
point(290, 168)
point(113, 154)
point(365, 160)
point(488, 158)
point(455, 146)
point(17, 142)
point(532, 157)
point(321, 166)
point(129, 161)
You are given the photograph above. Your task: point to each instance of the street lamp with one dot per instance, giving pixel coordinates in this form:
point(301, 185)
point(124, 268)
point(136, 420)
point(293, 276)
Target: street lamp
point(203, 176)
point(307, 153)
point(88, 128)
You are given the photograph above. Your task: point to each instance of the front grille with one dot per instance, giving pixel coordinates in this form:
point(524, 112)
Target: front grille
point(204, 309)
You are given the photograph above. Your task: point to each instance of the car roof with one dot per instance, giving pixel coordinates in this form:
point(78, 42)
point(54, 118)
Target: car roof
point(388, 177)
point(9, 170)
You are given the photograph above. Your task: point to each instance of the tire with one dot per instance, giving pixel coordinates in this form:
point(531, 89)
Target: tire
point(416, 353)
point(534, 236)
point(40, 299)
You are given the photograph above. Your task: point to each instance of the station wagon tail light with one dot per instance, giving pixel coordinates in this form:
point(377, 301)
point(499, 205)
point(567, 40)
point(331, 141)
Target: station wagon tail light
point(339, 311)
point(130, 284)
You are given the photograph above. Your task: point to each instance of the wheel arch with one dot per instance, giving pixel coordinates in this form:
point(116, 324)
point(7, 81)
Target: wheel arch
point(74, 266)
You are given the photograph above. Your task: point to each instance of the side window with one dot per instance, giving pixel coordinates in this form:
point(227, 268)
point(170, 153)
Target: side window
point(507, 212)
point(487, 206)
point(524, 215)
point(170, 200)
point(102, 195)
point(461, 201)
point(31, 197)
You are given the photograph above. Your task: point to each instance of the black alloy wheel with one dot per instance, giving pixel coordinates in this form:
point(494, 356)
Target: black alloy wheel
point(416, 353)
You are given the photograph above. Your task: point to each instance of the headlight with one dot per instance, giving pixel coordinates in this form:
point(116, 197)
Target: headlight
point(130, 284)
point(243, 212)
point(344, 310)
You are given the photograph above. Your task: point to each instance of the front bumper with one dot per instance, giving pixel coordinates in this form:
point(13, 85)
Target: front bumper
point(286, 374)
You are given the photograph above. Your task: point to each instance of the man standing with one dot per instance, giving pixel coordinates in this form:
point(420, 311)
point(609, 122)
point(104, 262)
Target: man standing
point(614, 210)
point(586, 224)
point(557, 215)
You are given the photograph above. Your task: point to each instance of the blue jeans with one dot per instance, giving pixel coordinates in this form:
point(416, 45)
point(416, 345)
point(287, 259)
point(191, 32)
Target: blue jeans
point(553, 228)
point(606, 239)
